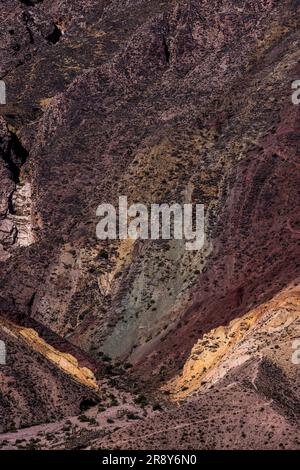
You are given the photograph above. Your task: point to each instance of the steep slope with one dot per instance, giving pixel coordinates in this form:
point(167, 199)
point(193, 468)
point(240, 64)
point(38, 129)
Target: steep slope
point(161, 101)
point(38, 382)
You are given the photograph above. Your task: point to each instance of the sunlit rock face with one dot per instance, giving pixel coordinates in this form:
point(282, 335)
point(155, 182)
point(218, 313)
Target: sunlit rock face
point(65, 362)
point(22, 216)
point(48, 383)
point(160, 101)
point(16, 227)
point(16, 218)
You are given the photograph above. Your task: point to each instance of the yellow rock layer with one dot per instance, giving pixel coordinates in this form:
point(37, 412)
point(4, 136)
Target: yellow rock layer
point(66, 362)
point(210, 351)
point(207, 353)
point(45, 103)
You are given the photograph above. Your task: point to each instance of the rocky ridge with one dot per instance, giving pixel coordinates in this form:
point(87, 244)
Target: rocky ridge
point(161, 101)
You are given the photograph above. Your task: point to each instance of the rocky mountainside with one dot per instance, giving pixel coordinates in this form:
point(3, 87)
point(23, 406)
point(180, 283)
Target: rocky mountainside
point(111, 343)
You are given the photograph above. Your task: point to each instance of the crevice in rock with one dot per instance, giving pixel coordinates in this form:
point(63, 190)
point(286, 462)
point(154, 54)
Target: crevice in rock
point(16, 224)
point(14, 234)
point(15, 157)
point(12, 167)
point(87, 403)
point(30, 303)
point(31, 3)
point(55, 36)
point(31, 40)
point(166, 50)
point(10, 204)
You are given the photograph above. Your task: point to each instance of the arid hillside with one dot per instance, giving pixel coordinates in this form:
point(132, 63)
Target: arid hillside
point(111, 343)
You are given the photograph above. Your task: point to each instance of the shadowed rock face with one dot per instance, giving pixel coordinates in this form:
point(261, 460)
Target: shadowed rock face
point(159, 101)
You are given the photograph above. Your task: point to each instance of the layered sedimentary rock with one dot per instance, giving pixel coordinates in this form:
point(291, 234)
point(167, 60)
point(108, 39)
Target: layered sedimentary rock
point(38, 382)
point(160, 101)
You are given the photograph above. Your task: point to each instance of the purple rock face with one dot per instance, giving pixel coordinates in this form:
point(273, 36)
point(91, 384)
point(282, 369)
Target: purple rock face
point(160, 101)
